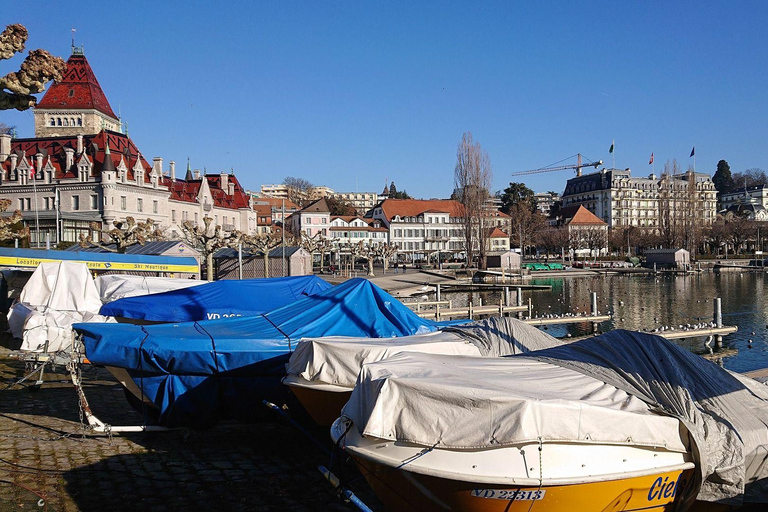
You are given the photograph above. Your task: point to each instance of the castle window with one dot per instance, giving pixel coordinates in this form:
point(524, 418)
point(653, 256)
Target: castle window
point(53, 122)
point(173, 215)
point(154, 206)
point(79, 121)
point(58, 121)
point(75, 202)
point(66, 122)
point(94, 202)
point(123, 201)
point(140, 204)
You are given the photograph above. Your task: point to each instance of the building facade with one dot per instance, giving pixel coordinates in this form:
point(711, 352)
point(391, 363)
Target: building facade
point(361, 201)
point(621, 200)
point(80, 169)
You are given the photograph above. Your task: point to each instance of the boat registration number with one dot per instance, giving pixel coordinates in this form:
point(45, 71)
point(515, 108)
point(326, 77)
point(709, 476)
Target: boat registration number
point(509, 494)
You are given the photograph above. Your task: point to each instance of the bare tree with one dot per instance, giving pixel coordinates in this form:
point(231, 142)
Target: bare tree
point(298, 189)
point(472, 178)
point(316, 243)
point(367, 252)
point(39, 68)
point(525, 225)
point(124, 235)
point(8, 231)
point(553, 240)
point(263, 243)
point(385, 251)
point(595, 239)
point(207, 239)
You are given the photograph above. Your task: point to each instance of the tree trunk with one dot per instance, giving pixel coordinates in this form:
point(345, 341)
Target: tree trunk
point(322, 257)
point(266, 264)
point(209, 264)
point(370, 267)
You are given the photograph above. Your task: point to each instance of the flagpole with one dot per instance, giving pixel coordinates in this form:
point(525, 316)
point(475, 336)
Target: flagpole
point(56, 206)
point(613, 153)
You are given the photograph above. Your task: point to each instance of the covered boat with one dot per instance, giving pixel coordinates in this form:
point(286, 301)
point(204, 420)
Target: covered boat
point(219, 299)
point(112, 287)
point(323, 371)
point(57, 295)
point(622, 421)
point(195, 373)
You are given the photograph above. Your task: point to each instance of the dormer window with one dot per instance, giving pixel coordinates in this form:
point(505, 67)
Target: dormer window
point(53, 122)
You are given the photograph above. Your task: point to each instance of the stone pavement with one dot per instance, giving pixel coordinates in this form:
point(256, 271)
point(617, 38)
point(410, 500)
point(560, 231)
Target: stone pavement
point(44, 453)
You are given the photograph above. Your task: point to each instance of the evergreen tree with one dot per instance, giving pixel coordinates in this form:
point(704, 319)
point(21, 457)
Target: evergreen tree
point(723, 179)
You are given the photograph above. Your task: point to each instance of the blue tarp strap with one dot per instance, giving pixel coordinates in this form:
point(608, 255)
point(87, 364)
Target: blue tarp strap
point(141, 378)
point(290, 348)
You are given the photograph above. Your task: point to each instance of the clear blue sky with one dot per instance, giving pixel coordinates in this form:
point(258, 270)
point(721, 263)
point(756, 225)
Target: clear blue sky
point(346, 94)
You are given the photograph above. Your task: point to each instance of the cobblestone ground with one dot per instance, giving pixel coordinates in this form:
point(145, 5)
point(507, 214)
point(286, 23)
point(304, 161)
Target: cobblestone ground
point(45, 454)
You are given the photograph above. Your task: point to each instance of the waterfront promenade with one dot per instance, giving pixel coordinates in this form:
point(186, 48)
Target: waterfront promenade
point(257, 467)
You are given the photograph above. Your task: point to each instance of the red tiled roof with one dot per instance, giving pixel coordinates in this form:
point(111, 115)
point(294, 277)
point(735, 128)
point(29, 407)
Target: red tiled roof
point(497, 233)
point(276, 202)
point(120, 147)
point(77, 89)
point(187, 191)
point(580, 216)
point(414, 207)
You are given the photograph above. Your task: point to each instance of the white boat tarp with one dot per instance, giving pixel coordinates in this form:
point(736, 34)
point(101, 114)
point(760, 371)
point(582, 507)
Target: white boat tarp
point(621, 388)
point(117, 286)
point(725, 413)
point(337, 360)
point(480, 403)
point(56, 296)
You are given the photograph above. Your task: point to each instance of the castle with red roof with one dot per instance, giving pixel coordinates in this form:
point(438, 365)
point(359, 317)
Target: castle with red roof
point(81, 168)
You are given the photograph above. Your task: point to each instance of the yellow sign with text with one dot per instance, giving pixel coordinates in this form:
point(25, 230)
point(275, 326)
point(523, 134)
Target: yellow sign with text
point(12, 261)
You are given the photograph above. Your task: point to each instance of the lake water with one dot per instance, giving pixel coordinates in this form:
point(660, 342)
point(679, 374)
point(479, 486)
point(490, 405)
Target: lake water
point(638, 302)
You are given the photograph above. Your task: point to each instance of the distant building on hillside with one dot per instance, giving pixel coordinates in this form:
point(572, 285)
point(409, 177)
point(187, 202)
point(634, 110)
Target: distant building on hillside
point(545, 201)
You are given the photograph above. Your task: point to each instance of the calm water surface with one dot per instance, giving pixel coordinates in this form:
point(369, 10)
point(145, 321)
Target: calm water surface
point(638, 302)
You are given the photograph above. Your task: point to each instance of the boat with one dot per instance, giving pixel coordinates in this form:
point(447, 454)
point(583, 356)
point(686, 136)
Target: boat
point(623, 421)
point(112, 287)
point(322, 372)
point(193, 374)
point(218, 299)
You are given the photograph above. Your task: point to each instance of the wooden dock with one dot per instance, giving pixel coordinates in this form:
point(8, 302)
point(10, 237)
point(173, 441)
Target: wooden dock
point(469, 312)
point(567, 320)
point(695, 333)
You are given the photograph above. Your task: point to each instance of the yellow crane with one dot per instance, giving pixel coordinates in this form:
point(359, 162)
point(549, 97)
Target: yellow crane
point(578, 166)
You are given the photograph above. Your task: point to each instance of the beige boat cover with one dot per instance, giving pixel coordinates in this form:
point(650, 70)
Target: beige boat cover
point(338, 360)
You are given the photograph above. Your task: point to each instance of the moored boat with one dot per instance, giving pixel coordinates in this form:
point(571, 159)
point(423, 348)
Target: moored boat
point(322, 372)
point(624, 421)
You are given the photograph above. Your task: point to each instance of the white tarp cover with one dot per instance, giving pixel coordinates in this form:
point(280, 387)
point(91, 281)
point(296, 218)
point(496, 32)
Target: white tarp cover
point(337, 360)
point(480, 403)
point(726, 414)
point(56, 296)
point(117, 286)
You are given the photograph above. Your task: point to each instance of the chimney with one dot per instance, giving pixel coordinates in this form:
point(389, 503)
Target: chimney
point(38, 162)
point(70, 157)
point(79, 144)
point(224, 181)
point(197, 174)
point(230, 188)
point(173, 170)
point(157, 165)
point(14, 161)
point(5, 146)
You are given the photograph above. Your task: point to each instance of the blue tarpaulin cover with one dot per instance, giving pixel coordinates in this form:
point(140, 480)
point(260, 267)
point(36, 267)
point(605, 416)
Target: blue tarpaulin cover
point(197, 373)
point(219, 299)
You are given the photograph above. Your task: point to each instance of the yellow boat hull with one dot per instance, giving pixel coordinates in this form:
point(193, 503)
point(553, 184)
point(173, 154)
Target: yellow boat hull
point(401, 490)
point(324, 407)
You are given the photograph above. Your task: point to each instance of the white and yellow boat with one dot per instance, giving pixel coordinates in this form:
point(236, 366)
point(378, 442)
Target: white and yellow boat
point(434, 432)
point(322, 371)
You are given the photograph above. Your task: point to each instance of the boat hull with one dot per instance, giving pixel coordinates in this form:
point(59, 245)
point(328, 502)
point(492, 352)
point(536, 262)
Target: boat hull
point(323, 404)
point(401, 490)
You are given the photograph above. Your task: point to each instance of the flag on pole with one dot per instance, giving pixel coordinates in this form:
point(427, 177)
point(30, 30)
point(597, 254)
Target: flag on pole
point(611, 149)
point(693, 151)
point(649, 163)
point(32, 173)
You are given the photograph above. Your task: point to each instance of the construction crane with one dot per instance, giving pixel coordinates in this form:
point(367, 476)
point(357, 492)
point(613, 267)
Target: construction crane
point(578, 167)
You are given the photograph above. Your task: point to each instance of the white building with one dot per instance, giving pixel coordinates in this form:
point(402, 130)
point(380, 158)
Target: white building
point(362, 201)
point(422, 228)
point(618, 199)
point(78, 169)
